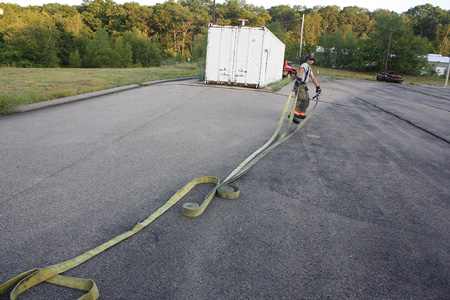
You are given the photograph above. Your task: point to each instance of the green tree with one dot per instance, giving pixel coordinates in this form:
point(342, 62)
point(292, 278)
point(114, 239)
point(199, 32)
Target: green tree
point(31, 41)
point(443, 39)
point(330, 17)
point(67, 16)
point(66, 44)
point(100, 41)
point(74, 59)
point(83, 45)
point(234, 10)
point(286, 16)
point(291, 47)
point(339, 49)
point(199, 46)
point(201, 11)
point(145, 51)
point(425, 18)
point(106, 58)
point(312, 28)
point(136, 16)
point(98, 14)
point(257, 15)
point(125, 52)
point(406, 51)
point(354, 19)
point(174, 23)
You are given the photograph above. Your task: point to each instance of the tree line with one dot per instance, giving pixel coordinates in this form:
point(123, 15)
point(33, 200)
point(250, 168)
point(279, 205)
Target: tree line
point(102, 33)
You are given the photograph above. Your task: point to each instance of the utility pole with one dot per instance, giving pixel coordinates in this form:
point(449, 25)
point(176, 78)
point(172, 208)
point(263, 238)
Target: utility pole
point(448, 71)
point(389, 49)
point(214, 12)
point(301, 39)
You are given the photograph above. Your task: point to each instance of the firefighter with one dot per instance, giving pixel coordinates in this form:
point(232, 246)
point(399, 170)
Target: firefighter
point(301, 87)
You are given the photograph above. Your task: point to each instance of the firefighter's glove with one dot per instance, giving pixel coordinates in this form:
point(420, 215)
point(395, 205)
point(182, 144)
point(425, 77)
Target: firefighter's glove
point(318, 90)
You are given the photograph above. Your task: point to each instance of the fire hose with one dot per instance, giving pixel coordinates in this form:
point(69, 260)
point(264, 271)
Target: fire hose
point(51, 274)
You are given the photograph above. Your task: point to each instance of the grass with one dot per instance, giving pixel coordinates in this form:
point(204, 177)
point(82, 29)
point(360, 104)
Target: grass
point(341, 74)
point(24, 86)
point(408, 79)
point(418, 80)
point(278, 85)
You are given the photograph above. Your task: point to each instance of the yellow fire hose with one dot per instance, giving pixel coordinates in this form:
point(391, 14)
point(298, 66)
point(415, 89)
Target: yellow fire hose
point(50, 274)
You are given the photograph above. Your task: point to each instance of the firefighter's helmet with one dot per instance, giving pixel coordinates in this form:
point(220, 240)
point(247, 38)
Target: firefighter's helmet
point(310, 55)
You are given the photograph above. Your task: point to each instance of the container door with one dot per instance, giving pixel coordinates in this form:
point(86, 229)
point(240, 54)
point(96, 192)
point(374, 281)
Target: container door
point(248, 56)
point(241, 55)
point(226, 56)
point(220, 54)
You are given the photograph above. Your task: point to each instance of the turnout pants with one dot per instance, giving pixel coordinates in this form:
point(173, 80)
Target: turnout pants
point(303, 99)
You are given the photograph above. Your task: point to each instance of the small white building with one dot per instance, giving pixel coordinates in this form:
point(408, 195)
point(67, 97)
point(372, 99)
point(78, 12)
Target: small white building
point(440, 62)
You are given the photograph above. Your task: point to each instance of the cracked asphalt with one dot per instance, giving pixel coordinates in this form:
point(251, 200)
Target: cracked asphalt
point(356, 205)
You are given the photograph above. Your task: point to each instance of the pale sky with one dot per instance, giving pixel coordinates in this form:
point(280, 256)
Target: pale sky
point(398, 6)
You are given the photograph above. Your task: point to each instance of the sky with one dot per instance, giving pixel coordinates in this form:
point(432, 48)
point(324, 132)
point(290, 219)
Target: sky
point(398, 6)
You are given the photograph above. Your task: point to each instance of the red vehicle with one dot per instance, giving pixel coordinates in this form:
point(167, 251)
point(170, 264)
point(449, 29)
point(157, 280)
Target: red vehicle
point(389, 76)
point(289, 69)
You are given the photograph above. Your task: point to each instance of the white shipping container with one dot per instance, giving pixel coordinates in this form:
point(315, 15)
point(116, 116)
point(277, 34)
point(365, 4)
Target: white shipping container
point(246, 56)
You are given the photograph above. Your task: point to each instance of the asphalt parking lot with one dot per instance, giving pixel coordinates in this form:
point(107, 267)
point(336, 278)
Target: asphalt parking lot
point(356, 205)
